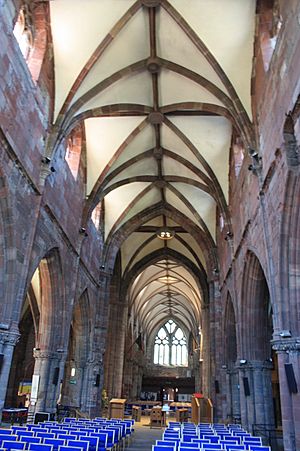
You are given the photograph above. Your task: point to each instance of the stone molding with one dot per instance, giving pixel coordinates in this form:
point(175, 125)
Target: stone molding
point(286, 344)
point(9, 338)
point(255, 365)
point(47, 354)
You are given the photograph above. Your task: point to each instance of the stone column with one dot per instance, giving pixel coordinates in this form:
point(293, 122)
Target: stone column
point(288, 352)
point(8, 340)
point(46, 362)
point(257, 406)
point(92, 387)
point(233, 408)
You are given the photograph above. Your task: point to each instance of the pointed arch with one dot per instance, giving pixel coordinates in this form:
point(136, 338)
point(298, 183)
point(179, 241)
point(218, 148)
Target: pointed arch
point(256, 312)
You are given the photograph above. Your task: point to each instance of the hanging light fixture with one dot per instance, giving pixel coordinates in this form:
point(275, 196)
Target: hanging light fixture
point(165, 233)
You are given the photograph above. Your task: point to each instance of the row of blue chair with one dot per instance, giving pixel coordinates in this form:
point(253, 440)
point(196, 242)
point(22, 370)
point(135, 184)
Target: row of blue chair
point(189, 437)
point(104, 435)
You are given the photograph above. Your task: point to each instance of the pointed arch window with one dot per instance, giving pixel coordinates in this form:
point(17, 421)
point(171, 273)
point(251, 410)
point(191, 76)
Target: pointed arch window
point(170, 346)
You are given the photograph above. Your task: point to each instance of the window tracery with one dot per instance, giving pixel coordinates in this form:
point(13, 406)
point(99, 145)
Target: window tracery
point(170, 346)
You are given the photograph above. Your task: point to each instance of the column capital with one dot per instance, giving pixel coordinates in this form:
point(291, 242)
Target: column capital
point(286, 344)
point(253, 365)
point(47, 354)
point(9, 337)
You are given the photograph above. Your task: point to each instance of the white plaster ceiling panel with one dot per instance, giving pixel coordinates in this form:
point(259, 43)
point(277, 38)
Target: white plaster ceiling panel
point(175, 88)
point(103, 138)
point(142, 141)
point(175, 46)
point(212, 137)
point(172, 142)
point(35, 282)
point(174, 167)
point(173, 200)
point(147, 166)
point(128, 47)
point(194, 245)
point(130, 245)
point(186, 276)
point(118, 200)
point(132, 89)
point(150, 198)
point(172, 223)
point(149, 248)
point(76, 33)
point(177, 246)
point(156, 222)
point(228, 32)
point(203, 203)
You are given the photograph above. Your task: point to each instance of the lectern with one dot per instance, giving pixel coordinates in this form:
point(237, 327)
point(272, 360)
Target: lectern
point(117, 408)
point(202, 409)
point(195, 409)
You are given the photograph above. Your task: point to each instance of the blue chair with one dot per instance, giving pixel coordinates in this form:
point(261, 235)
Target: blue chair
point(231, 447)
point(55, 442)
point(45, 434)
point(40, 447)
point(259, 448)
point(9, 444)
point(93, 442)
point(7, 431)
point(252, 441)
point(201, 440)
point(103, 440)
point(168, 443)
point(162, 448)
point(12, 438)
point(190, 445)
point(212, 446)
point(213, 438)
point(66, 436)
point(25, 433)
point(28, 440)
point(106, 438)
point(69, 448)
point(79, 444)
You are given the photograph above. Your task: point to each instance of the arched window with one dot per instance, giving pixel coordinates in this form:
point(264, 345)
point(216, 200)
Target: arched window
point(170, 347)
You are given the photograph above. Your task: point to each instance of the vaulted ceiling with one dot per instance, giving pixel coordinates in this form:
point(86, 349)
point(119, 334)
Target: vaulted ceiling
point(161, 87)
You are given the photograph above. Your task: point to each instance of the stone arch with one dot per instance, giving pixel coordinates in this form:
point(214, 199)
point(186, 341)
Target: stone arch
point(255, 357)
point(22, 365)
point(231, 376)
point(290, 256)
point(200, 274)
point(51, 302)
point(79, 350)
point(146, 215)
point(256, 314)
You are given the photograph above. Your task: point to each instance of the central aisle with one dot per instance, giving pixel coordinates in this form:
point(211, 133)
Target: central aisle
point(144, 437)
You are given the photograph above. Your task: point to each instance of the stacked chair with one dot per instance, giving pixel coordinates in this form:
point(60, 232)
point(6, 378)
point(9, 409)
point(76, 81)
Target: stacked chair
point(73, 434)
point(208, 437)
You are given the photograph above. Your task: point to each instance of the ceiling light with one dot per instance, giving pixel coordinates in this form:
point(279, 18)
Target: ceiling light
point(165, 233)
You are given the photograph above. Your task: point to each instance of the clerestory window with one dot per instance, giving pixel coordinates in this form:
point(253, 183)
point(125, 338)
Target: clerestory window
point(170, 346)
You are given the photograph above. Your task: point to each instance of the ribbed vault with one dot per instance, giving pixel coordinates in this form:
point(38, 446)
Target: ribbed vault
point(163, 89)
